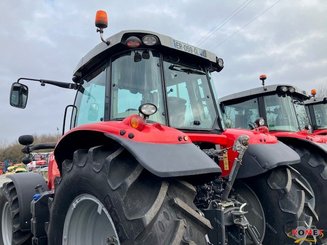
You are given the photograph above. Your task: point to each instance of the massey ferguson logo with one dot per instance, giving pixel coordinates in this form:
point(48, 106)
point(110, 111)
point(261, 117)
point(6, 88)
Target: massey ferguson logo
point(301, 234)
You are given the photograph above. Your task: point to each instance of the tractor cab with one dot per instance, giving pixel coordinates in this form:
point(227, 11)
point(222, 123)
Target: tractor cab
point(136, 72)
point(317, 110)
point(279, 107)
point(133, 69)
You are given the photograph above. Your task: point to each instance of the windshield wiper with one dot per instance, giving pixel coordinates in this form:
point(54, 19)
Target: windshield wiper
point(186, 69)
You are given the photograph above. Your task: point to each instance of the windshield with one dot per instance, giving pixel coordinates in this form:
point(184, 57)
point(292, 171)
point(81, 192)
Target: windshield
point(181, 93)
point(242, 114)
point(281, 114)
point(136, 79)
point(320, 114)
point(190, 102)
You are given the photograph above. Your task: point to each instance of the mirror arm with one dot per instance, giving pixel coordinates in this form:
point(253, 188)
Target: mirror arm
point(55, 83)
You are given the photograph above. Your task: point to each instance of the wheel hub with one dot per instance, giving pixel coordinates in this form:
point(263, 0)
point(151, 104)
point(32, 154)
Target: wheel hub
point(88, 222)
point(6, 225)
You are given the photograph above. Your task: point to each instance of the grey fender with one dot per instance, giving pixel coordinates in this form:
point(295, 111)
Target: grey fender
point(25, 184)
point(170, 160)
point(318, 152)
point(162, 160)
point(321, 148)
point(260, 158)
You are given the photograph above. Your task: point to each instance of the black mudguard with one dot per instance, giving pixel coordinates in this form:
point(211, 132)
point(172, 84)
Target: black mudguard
point(170, 160)
point(25, 184)
point(163, 160)
point(259, 158)
point(321, 146)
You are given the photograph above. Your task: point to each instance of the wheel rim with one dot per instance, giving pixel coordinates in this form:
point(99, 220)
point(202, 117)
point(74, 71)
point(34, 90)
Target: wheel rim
point(255, 215)
point(88, 222)
point(6, 225)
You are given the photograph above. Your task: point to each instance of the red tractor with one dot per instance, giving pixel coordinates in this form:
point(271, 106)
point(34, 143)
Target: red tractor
point(317, 112)
point(147, 161)
point(281, 108)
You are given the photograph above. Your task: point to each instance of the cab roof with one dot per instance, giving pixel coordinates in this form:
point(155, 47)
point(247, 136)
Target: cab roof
point(117, 44)
point(270, 89)
point(316, 100)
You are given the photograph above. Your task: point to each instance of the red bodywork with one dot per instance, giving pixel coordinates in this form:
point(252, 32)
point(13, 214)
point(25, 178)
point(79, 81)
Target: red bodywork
point(320, 132)
point(53, 171)
point(303, 134)
point(160, 134)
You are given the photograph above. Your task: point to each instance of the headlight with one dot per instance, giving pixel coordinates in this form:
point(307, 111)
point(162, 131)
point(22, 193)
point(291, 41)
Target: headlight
point(150, 40)
point(147, 109)
point(260, 122)
point(283, 89)
point(291, 89)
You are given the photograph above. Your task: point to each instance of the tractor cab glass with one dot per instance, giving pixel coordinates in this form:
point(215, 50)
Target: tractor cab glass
point(180, 92)
point(242, 114)
point(90, 99)
point(280, 113)
point(189, 99)
point(18, 95)
point(320, 115)
point(301, 114)
point(136, 80)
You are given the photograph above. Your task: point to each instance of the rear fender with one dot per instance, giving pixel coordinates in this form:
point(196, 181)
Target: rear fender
point(25, 184)
point(317, 148)
point(260, 158)
point(162, 160)
point(264, 152)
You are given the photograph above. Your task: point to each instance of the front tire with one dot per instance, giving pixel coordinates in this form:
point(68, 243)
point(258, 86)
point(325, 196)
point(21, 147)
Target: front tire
point(11, 233)
point(135, 206)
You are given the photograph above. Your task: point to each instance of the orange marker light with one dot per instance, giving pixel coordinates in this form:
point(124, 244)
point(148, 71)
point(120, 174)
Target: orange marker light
point(313, 92)
point(101, 19)
point(137, 122)
point(263, 77)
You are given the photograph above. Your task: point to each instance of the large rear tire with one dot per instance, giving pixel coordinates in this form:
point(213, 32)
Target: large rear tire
point(106, 187)
point(313, 167)
point(11, 233)
point(286, 201)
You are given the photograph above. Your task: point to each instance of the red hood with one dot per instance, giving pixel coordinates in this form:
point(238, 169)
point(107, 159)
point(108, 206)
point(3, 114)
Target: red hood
point(304, 135)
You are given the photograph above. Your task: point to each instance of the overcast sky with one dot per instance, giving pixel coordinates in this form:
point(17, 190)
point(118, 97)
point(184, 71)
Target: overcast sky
point(285, 39)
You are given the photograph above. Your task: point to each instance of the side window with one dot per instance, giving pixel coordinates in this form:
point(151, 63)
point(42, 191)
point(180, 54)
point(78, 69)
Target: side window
point(301, 115)
point(320, 115)
point(90, 100)
point(189, 100)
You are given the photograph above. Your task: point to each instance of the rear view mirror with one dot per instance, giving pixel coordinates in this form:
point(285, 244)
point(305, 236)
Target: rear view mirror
point(18, 95)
